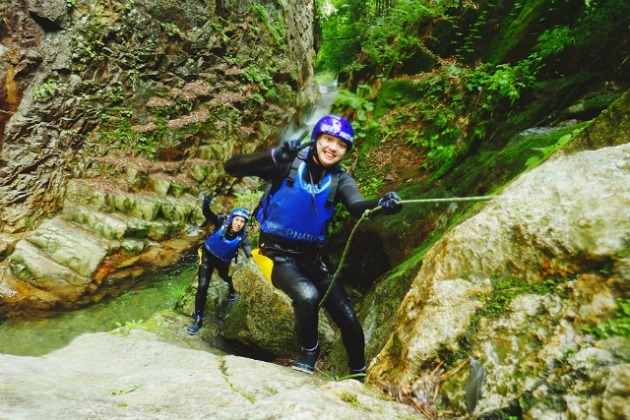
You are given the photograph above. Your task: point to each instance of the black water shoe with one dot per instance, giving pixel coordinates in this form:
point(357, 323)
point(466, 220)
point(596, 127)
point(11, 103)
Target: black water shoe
point(195, 327)
point(306, 362)
point(358, 375)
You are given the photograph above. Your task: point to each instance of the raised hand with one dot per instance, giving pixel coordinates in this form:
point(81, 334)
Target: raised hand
point(287, 151)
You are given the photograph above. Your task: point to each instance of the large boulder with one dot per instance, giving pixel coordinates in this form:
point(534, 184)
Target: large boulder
point(263, 316)
point(135, 373)
point(534, 286)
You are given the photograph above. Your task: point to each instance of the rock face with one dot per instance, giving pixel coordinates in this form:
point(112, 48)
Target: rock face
point(115, 115)
point(158, 376)
point(534, 286)
point(263, 316)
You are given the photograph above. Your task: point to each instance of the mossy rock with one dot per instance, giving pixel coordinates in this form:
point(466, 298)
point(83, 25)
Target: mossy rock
point(263, 317)
point(396, 93)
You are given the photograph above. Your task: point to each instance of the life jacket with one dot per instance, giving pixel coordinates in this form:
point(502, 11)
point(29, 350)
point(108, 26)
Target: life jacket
point(221, 247)
point(297, 210)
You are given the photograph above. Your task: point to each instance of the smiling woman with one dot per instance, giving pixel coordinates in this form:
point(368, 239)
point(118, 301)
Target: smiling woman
point(294, 216)
point(330, 150)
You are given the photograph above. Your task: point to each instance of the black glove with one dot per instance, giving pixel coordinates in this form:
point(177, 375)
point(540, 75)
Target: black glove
point(207, 199)
point(390, 202)
point(287, 151)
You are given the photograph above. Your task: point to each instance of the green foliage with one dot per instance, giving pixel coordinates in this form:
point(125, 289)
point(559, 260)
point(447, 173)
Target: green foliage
point(618, 325)
point(496, 83)
point(262, 76)
point(48, 89)
point(360, 102)
point(130, 5)
point(341, 38)
point(378, 34)
point(434, 113)
point(126, 138)
point(505, 290)
point(176, 292)
point(276, 30)
point(390, 40)
point(395, 93)
point(171, 29)
point(593, 26)
point(87, 49)
point(554, 41)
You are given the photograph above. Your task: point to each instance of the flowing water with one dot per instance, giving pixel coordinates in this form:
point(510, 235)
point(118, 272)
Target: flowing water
point(302, 130)
point(35, 337)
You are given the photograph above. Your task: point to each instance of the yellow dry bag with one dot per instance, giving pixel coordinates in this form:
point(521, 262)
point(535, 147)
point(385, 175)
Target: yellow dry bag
point(264, 264)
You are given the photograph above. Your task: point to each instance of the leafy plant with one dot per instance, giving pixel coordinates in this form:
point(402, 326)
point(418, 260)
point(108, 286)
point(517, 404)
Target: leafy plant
point(618, 325)
point(176, 292)
point(554, 41)
point(504, 81)
point(171, 29)
point(260, 75)
point(276, 30)
point(48, 89)
point(361, 102)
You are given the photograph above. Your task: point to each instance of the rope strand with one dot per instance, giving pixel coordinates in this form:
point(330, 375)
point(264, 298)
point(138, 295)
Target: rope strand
point(375, 210)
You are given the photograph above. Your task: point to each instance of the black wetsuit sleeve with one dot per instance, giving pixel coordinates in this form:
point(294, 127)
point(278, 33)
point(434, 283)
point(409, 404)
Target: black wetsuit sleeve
point(349, 195)
point(211, 218)
point(220, 221)
point(259, 164)
point(247, 247)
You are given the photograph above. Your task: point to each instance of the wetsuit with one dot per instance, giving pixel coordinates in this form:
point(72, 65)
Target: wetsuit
point(301, 268)
point(216, 254)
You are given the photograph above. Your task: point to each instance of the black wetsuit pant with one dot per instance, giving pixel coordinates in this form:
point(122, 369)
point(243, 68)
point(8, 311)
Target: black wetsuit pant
point(305, 277)
point(206, 266)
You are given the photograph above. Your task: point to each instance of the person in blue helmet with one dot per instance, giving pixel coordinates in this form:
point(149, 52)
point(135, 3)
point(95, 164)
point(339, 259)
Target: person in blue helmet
point(294, 215)
point(217, 252)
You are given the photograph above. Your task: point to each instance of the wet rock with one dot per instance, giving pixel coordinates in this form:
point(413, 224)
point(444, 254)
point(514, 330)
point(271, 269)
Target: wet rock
point(520, 285)
point(263, 316)
point(168, 374)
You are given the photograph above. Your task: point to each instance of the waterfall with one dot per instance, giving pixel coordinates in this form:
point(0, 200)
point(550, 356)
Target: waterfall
point(299, 130)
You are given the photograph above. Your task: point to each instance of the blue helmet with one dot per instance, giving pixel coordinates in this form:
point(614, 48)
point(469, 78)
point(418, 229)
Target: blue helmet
point(335, 126)
point(240, 212)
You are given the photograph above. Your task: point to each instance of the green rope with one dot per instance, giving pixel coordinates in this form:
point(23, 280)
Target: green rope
point(368, 213)
point(339, 378)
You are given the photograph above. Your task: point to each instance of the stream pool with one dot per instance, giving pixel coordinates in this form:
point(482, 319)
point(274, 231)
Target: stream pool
point(156, 292)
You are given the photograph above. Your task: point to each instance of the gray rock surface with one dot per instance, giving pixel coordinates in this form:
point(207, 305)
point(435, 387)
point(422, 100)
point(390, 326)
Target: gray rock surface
point(521, 285)
point(135, 373)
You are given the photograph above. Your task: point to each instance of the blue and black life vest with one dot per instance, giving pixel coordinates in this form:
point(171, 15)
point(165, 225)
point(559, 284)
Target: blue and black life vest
point(221, 247)
point(297, 210)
